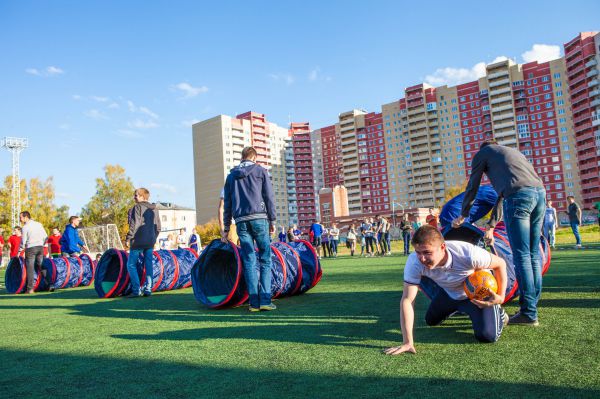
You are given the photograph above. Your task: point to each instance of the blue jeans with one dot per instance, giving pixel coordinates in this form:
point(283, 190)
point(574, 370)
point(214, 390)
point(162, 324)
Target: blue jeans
point(406, 239)
point(575, 228)
point(132, 261)
point(524, 216)
point(334, 246)
point(550, 233)
point(258, 279)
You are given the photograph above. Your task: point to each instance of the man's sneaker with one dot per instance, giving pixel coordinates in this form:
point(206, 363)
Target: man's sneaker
point(268, 307)
point(134, 295)
point(52, 288)
point(523, 320)
point(578, 246)
point(252, 309)
point(505, 317)
point(147, 293)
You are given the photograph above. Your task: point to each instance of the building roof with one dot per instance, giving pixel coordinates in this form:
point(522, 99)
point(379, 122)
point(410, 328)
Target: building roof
point(163, 206)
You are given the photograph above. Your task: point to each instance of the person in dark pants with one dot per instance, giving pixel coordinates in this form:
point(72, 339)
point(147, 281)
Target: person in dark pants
point(406, 226)
point(144, 226)
point(33, 241)
point(448, 264)
point(522, 194)
point(250, 201)
point(574, 212)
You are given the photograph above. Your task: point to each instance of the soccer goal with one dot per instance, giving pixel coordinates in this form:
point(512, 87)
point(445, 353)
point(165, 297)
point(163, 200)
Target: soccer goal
point(100, 238)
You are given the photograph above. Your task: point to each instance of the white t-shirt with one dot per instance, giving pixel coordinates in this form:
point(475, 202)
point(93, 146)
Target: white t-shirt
point(463, 259)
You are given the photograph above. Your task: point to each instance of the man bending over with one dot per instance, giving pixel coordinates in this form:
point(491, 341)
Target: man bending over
point(448, 264)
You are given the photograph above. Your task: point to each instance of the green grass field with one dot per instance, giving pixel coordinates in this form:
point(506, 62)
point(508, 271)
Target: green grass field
point(324, 344)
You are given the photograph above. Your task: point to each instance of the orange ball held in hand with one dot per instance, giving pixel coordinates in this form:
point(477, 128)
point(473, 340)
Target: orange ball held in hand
point(478, 285)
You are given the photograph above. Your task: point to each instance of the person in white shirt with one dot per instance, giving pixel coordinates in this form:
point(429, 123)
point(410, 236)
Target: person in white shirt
point(448, 264)
point(181, 239)
point(32, 241)
point(334, 239)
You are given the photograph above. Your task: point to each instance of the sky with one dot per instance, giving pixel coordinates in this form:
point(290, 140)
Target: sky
point(92, 83)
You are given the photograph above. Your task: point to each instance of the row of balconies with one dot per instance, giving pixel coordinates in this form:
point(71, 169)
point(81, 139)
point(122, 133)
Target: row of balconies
point(499, 82)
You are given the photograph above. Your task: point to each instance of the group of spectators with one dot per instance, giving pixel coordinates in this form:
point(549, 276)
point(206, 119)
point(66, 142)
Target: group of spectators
point(181, 241)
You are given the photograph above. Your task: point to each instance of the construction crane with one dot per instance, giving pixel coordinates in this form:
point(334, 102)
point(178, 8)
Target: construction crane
point(15, 145)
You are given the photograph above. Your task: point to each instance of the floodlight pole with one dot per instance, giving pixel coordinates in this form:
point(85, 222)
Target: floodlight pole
point(15, 145)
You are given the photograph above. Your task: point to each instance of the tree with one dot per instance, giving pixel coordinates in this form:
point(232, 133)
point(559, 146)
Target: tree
point(113, 198)
point(453, 191)
point(37, 197)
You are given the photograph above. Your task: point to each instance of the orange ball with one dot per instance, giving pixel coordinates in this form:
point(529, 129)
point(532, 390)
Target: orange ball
point(476, 286)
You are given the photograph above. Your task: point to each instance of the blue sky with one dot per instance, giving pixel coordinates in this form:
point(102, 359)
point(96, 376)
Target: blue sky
point(92, 83)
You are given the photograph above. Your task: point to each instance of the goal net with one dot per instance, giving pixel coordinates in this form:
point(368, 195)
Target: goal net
point(100, 238)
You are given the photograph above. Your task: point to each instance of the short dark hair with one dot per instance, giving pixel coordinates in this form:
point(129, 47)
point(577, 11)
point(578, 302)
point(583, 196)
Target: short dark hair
point(73, 218)
point(570, 196)
point(427, 234)
point(26, 214)
point(248, 152)
point(488, 142)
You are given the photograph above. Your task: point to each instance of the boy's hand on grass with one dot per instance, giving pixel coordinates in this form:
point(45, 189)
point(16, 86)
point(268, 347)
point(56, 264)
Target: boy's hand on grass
point(397, 350)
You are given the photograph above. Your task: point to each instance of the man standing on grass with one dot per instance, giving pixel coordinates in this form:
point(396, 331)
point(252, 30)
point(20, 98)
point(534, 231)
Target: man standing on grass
point(144, 227)
point(33, 241)
point(317, 231)
point(248, 198)
point(524, 205)
point(448, 264)
point(574, 212)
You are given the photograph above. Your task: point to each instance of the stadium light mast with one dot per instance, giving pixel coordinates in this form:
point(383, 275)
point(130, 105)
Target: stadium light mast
point(15, 145)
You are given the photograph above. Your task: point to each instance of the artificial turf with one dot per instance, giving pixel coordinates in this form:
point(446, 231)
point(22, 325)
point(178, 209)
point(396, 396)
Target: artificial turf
point(324, 344)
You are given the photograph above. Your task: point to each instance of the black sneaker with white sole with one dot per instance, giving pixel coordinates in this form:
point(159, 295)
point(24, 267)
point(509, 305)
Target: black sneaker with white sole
point(521, 319)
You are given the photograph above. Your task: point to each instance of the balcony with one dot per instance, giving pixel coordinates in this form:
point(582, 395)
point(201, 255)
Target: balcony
point(508, 142)
point(497, 74)
point(506, 133)
point(595, 103)
point(593, 83)
point(591, 73)
point(501, 99)
point(591, 63)
point(505, 115)
point(504, 124)
point(498, 82)
point(496, 92)
point(503, 108)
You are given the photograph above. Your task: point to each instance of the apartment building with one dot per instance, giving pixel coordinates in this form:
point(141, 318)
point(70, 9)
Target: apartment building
point(304, 174)
point(583, 72)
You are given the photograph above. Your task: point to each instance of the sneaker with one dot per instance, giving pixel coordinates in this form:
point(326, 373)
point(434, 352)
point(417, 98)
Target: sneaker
point(147, 293)
point(134, 295)
point(268, 307)
point(578, 246)
point(30, 292)
point(52, 288)
point(523, 320)
point(505, 317)
point(251, 309)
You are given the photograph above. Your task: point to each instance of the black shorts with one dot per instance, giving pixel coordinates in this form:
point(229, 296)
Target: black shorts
point(317, 241)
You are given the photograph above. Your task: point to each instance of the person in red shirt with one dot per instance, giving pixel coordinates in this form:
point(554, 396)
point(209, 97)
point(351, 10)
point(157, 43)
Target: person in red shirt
point(432, 219)
point(53, 242)
point(14, 242)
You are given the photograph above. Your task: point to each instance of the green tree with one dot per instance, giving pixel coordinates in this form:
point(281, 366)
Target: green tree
point(37, 197)
point(112, 200)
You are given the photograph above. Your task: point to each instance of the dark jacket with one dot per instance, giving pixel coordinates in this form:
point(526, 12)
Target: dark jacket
point(144, 226)
point(508, 171)
point(248, 195)
point(70, 241)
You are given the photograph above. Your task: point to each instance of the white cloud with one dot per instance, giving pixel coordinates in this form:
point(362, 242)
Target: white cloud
point(100, 99)
point(140, 124)
point(95, 114)
point(113, 106)
point(451, 76)
point(315, 74)
point(129, 134)
point(146, 111)
point(48, 72)
point(52, 70)
point(188, 90)
point(64, 126)
point(541, 53)
point(165, 187)
point(76, 97)
point(287, 78)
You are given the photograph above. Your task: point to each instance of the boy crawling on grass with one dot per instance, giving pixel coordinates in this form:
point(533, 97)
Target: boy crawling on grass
point(448, 263)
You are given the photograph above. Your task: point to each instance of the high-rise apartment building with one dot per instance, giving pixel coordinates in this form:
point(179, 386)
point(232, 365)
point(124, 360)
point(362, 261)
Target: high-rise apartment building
point(304, 172)
point(581, 56)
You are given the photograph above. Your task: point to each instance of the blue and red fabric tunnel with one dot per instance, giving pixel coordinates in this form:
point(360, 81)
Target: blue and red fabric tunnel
point(64, 272)
point(171, 270)
point(218, 278)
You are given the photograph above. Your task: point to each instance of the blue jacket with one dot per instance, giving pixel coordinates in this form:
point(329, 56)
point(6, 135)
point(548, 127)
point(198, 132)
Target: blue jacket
point(317, 229)
point(70, 241)
point(248, 194)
